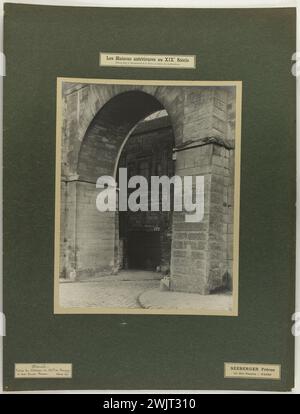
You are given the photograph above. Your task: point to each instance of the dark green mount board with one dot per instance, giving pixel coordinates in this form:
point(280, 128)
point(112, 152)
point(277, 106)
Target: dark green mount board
point(255, 46)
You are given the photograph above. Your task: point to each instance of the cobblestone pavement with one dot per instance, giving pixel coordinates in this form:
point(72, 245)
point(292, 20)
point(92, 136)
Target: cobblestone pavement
point(136, 289)
point(155, 299)
point(121, 290)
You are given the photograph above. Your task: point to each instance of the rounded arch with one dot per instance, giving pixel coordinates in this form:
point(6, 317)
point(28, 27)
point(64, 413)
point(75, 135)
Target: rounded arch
point(109, 130)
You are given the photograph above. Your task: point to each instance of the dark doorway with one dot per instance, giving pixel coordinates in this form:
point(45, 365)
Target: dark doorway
point(143, 250)
point(145, 236)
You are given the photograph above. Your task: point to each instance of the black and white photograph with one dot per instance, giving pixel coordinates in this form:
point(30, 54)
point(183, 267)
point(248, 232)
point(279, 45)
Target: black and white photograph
point(150, 191)
point(147, 196)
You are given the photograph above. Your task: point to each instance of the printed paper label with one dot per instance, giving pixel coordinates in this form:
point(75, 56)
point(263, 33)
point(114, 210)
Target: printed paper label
point(252, 371)
point(148, 60)
point(43, 370)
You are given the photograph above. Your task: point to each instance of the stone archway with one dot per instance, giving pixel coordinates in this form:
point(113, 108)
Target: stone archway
point(98, 119)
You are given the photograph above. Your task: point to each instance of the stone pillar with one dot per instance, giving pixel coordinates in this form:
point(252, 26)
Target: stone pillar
point(199, 250)
point(189, 251)
point(220, 218)
point(200, 255)
point(67, 230)
point(88, 236)
point(95, 234)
